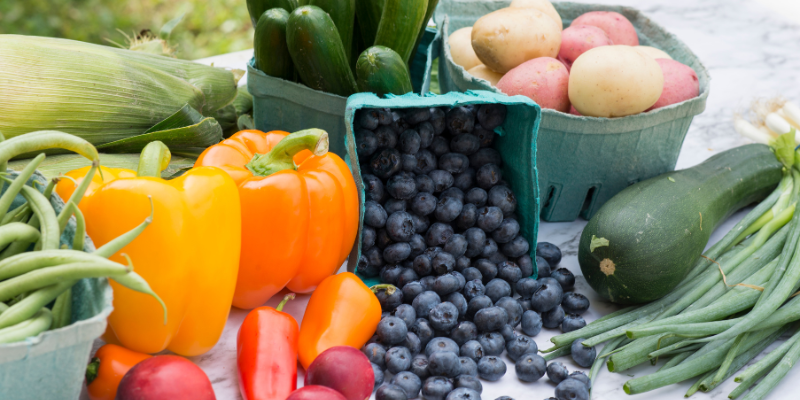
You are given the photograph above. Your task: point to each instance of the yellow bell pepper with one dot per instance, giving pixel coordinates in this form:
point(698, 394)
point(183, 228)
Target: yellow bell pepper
point(189, 254)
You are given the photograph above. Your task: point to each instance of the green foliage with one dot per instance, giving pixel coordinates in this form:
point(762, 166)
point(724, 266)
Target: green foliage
point(210, 27)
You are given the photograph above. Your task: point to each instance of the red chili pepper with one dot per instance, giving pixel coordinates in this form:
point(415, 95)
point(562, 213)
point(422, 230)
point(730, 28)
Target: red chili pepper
point(267, 353)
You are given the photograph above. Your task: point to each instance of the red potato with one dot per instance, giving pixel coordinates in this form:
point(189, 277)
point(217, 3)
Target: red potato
point(344, 369)
point(545, 80)
point(576, 40)
point(165, 378)
point(680, 83)
point(315, 392)
point(573, 111)
point(483, 72)
point(615, 25)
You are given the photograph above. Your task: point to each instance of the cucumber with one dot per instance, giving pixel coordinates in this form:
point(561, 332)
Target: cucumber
point(343, 13)
point(318, 53)
point(369, 16)
point(657, 229)
point(428, 14)
point(380, 70)
point(401, 21)
point(269, 45)
point(257, 7)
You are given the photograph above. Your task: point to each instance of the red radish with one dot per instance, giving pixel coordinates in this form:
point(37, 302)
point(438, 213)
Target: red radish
point(615, 25)
point(315, 392)
point(344, 369)
point(165, 378)
point(680, 83)
point(576, 40)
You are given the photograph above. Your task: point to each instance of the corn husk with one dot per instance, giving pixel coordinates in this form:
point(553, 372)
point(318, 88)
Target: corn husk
point(100, 93)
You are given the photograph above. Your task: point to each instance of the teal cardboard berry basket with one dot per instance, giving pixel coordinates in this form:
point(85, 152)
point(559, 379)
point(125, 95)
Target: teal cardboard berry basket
point(516, 142)
point(52, 364)
point(584, 161)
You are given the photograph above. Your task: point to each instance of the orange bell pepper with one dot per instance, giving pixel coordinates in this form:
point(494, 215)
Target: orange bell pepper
point(299, 210)
point(107, 368)
point(189, 253)
point(343, 311)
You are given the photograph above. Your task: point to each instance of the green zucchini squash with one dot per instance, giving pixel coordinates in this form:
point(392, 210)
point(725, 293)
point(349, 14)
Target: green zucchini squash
point(369, 17)
point(318, 54)
point(401, 21)
point(428, 14)
point(380, 70)
point(343, 13)
point(257, 7)
point(269, 45)
point(644, 240)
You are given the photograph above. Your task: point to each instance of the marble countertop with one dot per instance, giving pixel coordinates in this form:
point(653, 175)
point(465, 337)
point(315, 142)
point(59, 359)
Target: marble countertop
point(751, 48)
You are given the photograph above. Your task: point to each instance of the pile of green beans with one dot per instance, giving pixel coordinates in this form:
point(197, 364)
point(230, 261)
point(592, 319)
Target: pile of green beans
point(36, 273)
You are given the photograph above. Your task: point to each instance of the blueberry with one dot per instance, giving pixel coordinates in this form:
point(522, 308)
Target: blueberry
point(557, 372)
point(547, 297)
point(391, 330)
point(476, 238)
point(442, 180)
point(376, 354)
point(410, 383)
point(415, 116)
point(390, 392)
point(485, 136)
point(473, 289)
point(384, 116)
point(374, 214)
point(424, 303)
point(553, 318)
point(411, 290)
point(485, 156)
point(423, 330)
point(439, 146)
point(444, 363)
point(367, 238)
point(425, 163)
point(396, 253)
point(489, 250)
point(572, 322)
point(504, 398)
point(377, 372)
point(443, 316)
point(443, 263)
point(513, 310)
point(497, 258)
point(426, 133)
point(423, 203)
point(462, 263)
point(491, 368)
point(418, 245)
point(386, 137)
point(526, 287)
point(476, 196)
point(575, 303)
point(507, 230)
point(436, 388)
point(542, 267)
point(501, 196)
point(465, 144)
point(530, 367)
point(468, 366)
point(385, 163)
point(467, 218)
point(382, 238)
point(581, 376)
point(491, 116)
point(582, 355)
point(453, 163)
point(488, 176)
point(419, 366)
point(409, 142)
point(421, 223)
point(438, 120)
point(427, 282)
point(531, 323)
point(364, 268)
point(489, 218)
point(401, 186)
point(471, 274)
point(564, 277)
point(509, 271)
point(478, 303)
point(472, 349)
point(525, 303)
point(398, 359)
point(453, 192)
point(366, 143)
point(367, 118)
point(508, 333)
point(490, 319)
point(520, 345)
point(516, 247)
point(465, 180)
point(432, 251)
point(464, 332)
point(409, 162)
point(469, 382)
point(441, 344)
point(400, 227)
point(458, 300)
point(406, 313)
point(465, 393)
point(448, 209)
point(497, 288)
point(525, 265)
point(460, 120)
point(572, 389)
point(422, 265)
point(389, 297)
point(550, 252)
point(374, 257)
point(438, 234)
point(456, 245)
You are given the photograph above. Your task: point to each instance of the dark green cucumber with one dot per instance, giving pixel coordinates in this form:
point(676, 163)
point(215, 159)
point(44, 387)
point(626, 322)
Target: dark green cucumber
point(428, 14)
point(269, 45)
point(343, 13)
point(644, 240)
point(369, 17)
point(380, 70)
point(400, 24)
point(318, 53)
point(257, 7)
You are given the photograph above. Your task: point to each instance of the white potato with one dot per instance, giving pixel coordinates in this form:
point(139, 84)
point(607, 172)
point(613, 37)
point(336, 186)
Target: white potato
point(508, 37)
point(542, 5)
point(653, 52)
point(481, 71)
point(614, 81)
point(460, 43)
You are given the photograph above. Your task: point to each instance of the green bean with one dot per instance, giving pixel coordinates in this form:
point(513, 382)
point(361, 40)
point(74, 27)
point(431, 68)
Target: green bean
point(14, 231)
point(42, 140)
point(39, 323)
point(20, 247)
point(14, 215)
point(26, 262)
point(134, 281)
point(44, 277)
point(770, 359)
point(118, 243)
point(677, 359)
point(62, 310)
point(3, 307)
point(740, 361)
point(80, 230)
point(27, 307)
point(560, 352)
point(46, 215)
point(51, 185)
point(778, 372)
point(16, 185)
point(77, 196)
point(3, 165)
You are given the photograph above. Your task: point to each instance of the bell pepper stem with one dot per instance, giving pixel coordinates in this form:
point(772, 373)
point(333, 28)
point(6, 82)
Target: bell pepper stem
point(92, 370)
point(154, 159)
point(389, 288)
point(281, 156)
point(285, 300)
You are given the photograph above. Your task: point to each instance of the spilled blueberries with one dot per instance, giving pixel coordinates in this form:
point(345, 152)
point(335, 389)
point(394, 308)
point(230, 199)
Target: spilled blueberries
point(440, 226)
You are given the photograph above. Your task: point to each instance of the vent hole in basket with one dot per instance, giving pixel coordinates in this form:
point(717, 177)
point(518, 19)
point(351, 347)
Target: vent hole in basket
point(631, 182)
point(587, 203)
point(551, 191)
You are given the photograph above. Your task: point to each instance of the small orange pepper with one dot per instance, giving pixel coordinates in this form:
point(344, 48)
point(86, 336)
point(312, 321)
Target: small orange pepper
point(107, 368)
point(343, 311)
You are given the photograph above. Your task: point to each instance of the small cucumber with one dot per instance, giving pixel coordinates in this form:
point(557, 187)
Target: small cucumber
point(343, 13)
point(400, 25)
point(318, 53)
point(257, 7)
point(271, 51)
point(380, 70)
point(369, 17)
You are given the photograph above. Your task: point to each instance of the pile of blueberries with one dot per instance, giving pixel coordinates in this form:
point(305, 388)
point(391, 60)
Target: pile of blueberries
point(440, 230)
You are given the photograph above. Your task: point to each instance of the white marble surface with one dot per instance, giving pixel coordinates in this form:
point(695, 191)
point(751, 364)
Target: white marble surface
point(750, 47)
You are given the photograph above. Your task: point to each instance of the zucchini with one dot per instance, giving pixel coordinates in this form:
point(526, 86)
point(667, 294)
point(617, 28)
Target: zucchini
point(318, 53)
point(380, 70)
point(428, 14)
point(369, 16)
point(343, 14)
point(269, 45)
point(644, 240)
point(401, 21)
point(257, 7)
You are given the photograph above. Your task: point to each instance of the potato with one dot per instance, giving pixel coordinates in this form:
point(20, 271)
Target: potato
point(653, 52)
point(543, 79)
point(573, 111)
point(542, 5)
point(680, 83)
point(460, 43)
point(576, 40)
point(508, 37)
point(614, 81)
point(483, 72)
point(616, 26)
